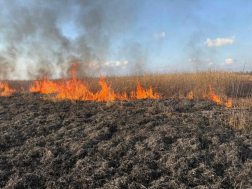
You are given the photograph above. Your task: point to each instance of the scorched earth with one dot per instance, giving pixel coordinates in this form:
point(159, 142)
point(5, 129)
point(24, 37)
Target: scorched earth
point(147, 143)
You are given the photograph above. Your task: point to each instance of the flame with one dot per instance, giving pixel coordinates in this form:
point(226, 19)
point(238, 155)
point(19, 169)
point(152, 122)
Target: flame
point(46, 86)
point(142, 93)
point(75, 89)
point(228, 104)
point(5, 90)
point(190, 95)
point(214, 97)
point(217, 99)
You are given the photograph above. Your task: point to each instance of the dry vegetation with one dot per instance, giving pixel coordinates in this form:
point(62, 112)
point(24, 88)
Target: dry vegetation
point(146, 143)
point(226, 85)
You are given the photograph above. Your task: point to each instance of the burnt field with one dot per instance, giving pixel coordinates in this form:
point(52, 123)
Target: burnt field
point(165, 143)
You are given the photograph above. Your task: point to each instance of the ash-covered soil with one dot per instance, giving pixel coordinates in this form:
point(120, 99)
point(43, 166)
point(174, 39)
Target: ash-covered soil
point(168, 143)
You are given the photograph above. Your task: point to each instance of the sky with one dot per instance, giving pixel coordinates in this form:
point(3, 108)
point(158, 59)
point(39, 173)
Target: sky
point(123, 37)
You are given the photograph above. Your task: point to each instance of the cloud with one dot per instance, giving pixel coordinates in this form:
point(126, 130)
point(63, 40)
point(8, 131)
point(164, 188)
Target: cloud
point(230, 61)
point(192, 60)
point(219, 42)
point(106, 63)
point(210, 64)
point(249, 28)
point(117, 63)
point(199, 60)
point(158, 35)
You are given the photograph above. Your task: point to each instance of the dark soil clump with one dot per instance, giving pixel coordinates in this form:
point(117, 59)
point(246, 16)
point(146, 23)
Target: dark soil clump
point(168, 143)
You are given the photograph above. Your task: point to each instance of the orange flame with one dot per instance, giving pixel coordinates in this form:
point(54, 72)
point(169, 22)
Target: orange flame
point(229, 103)
point(46, 86)
point(190, 95)
point(214, 97)
point(142, 93)
point(5, 90)
point(76, 89)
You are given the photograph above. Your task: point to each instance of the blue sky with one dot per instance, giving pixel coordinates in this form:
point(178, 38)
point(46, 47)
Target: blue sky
point(167, 35)
point(187, 28)
point(192, 22)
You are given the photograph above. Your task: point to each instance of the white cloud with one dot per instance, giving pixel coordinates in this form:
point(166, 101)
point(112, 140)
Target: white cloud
point(112, 64)
point(199, 60)
point(118, 63)
point(230, 61)
point(210, 64)
point(192, 60)
point(249, 28)
point(158, 35)
point(219, 42)
point(107, 63)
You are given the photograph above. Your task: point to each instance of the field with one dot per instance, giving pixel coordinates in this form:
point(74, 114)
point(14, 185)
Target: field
point(182, 140)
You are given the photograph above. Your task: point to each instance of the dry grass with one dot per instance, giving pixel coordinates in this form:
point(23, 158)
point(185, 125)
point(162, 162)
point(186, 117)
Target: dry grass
point(237, 86)
point(224, 84)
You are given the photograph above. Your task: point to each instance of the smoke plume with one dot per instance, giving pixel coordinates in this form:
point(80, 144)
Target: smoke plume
point(33, 43)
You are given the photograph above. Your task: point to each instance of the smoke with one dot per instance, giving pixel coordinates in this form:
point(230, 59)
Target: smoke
point(33, 43)
point(199, 57)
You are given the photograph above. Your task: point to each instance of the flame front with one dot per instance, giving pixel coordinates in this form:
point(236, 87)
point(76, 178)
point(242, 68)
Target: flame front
point(142, 93)
point(75, 89)
point(5, 90)
point(214, 97)
point(46, 86)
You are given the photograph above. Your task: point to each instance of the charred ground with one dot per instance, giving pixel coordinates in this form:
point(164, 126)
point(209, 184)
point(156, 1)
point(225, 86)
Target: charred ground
point(167, 143)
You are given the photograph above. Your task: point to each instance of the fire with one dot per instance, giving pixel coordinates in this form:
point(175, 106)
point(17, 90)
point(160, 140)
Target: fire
point(217, 99)
point(5, 90)
point(229, 103)
point(46, 86)
point(211, 96)
point(214, 97)
point(190, 95)
point(142, 93)
point(75, 89)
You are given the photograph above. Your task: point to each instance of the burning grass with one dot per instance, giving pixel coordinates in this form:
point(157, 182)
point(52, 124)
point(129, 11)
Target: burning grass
point(75, 89)
point(224, 88)
point(231, 90)
point(5, 89)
